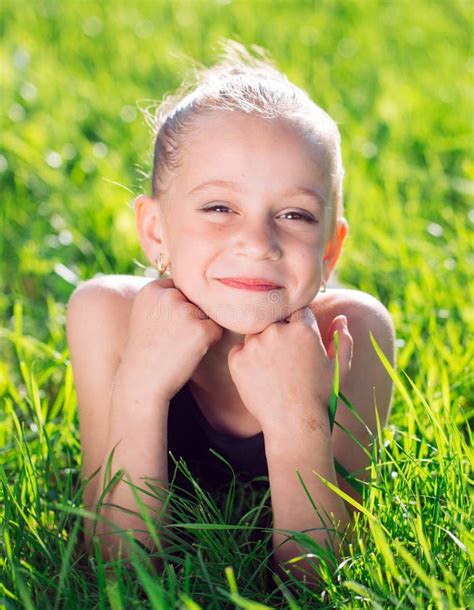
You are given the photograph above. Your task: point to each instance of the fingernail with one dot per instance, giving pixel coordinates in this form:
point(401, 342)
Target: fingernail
point(344, 323)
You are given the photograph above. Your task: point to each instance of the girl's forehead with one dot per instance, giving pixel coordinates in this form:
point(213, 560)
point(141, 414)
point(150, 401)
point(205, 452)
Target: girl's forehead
point(224, 133)
point(221, 122)
point(235, 154)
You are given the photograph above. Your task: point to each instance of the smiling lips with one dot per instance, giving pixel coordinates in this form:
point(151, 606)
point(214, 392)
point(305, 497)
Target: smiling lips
point(249, 283)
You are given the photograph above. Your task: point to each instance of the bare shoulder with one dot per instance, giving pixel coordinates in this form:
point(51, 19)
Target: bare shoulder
point(358, 300)
point(124, 286)
point(360, 308)
point(106, 299)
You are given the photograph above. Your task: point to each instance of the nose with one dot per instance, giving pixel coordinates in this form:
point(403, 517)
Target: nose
point(257, 239)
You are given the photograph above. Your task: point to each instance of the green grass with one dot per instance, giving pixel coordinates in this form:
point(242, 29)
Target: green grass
point(397, 77)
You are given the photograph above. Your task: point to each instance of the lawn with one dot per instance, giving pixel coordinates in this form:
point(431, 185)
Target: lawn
point(75, 150)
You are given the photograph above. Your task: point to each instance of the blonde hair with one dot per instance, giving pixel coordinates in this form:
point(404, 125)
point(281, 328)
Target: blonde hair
point(240, 82)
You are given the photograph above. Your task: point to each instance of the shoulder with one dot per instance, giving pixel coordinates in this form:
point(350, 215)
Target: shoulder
point(116, 292)
point(359, 302)
point(103, 304)
point(362, 310)
point(121, 286)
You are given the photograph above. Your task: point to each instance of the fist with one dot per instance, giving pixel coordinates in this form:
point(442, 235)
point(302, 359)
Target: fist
point(286, 372)
point(167, 338)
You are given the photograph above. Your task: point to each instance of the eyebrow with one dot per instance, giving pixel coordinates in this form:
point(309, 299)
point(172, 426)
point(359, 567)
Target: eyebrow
point(291, 192)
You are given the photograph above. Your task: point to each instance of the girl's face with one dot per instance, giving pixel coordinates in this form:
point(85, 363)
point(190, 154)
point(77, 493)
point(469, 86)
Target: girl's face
point(249, 200)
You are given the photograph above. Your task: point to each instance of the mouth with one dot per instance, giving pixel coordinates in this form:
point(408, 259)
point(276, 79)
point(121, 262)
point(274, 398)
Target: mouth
point(247, 283)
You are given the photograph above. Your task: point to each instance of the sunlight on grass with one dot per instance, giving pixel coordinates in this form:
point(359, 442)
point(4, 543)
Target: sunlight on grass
point(76, 150)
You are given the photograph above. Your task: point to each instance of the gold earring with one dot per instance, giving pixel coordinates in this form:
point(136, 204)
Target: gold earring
point(160, 265)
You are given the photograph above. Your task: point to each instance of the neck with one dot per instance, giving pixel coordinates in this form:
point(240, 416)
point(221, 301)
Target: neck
point(213, 370)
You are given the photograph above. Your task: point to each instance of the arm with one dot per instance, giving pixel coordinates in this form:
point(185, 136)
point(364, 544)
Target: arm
point(308, 450)
point(141, 447)
point(110, 393)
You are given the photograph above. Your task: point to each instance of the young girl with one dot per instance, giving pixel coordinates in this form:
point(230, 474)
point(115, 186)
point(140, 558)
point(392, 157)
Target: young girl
point(234, 349)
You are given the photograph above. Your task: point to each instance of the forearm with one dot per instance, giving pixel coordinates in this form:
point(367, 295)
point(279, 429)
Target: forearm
point(306, 447)
point(137, 435)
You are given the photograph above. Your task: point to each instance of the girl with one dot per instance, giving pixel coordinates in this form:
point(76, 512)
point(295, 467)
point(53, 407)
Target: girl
point(234, 349)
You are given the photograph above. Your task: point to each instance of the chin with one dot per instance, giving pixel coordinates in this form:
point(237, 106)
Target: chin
point(244, 329)
point(245, 322)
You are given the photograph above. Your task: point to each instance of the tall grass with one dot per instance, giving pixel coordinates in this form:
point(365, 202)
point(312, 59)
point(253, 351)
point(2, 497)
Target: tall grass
point(397, 77)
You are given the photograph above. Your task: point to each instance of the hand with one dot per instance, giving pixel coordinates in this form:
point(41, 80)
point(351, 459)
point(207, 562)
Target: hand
point(168, 337)
point(285, 373)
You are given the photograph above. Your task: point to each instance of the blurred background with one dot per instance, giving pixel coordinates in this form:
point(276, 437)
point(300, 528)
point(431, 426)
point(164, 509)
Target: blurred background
point(75, 150)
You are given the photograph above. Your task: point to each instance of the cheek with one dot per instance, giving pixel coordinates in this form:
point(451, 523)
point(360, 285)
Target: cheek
point(308, 261)
point(195, 249)
point(311, 274)
point(195, 235)
point(187, 242)
point(191, 256)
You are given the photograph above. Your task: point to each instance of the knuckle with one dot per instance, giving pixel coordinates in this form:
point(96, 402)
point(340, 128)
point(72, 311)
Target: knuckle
point(302, 328)
point(200, 330)
point(184, 310)
point(147, 292)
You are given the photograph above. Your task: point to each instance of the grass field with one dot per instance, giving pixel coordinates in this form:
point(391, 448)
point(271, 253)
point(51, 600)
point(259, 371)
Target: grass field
point(75, 150)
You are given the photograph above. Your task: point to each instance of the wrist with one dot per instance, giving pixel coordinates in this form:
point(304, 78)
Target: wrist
point(310, 426)
point(134, 380)
point(310, 417)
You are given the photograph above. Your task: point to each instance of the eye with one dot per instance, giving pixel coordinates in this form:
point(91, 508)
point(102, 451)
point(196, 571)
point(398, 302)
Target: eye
point(305, 217)
point(215, 207)
point(302, 216)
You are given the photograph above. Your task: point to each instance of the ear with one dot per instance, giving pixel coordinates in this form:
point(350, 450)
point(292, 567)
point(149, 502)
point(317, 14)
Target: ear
point(334, 247)
point(149, 227)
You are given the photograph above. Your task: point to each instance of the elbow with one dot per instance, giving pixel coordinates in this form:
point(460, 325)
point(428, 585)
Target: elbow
point(112, 547)
point(99, 540)
point(111, 534)
point(292, 561)
point(94, 545)
point(300, 568)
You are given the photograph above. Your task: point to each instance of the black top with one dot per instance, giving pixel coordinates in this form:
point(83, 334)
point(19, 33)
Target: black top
point(191, 436)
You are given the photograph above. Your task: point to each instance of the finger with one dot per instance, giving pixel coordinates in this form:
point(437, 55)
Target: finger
point(345, 346)
point(191, 308)
point(235, 349)
point(165, 282)
point(304, 314)
point(202, 315)
point(217, 330)
point(297, 315)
